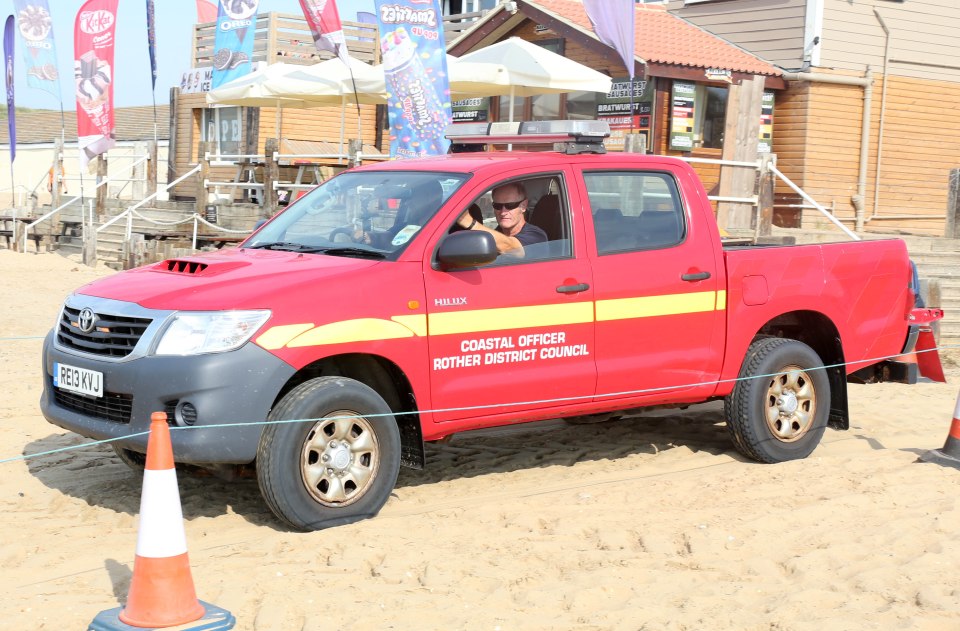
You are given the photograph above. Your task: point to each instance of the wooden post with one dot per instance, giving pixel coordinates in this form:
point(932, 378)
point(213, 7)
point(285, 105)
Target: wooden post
point(765, 182)
point(101, 203)
point(202, 176)
point(89, 254)
point(740, 139)
point(56, 184)
point(952, 229)
point(172, 142)
point(634, 143)
point(271, 174)
point(138, 173)
point(151, 168)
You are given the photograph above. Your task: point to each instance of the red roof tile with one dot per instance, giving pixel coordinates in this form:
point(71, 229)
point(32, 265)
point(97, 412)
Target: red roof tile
point(664, 38)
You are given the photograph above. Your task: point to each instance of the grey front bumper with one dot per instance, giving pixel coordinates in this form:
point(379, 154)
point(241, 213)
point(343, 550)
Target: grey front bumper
point(237, 387)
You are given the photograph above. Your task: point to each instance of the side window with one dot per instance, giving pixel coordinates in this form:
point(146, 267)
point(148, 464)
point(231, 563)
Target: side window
point(634, 210)
point(541, 220)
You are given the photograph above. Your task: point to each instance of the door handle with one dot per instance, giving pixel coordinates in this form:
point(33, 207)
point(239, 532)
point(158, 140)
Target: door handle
point(694, 277)
point(572, 289)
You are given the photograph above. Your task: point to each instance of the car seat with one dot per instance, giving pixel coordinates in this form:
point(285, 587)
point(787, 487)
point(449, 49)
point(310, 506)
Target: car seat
point(548, 216)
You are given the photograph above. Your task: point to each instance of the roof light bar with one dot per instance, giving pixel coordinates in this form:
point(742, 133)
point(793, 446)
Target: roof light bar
point(529, 132)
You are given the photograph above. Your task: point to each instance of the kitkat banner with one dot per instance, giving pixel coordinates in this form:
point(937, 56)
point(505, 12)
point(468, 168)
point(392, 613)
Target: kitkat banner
point(324, 21)
point(93, 44)
point(233, 43)
point(415, 66)
point(36, 36)
point(8, 65)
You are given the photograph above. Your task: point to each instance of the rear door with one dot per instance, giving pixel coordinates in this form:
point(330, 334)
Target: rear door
point(518, 334)
point(659, 297)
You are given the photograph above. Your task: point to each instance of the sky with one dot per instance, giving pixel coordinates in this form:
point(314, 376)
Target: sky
point(174, 26)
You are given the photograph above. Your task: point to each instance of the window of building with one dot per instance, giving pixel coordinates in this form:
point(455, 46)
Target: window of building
point(698, 115)
point(221, 126)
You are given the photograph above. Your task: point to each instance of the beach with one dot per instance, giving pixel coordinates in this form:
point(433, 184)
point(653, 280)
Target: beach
point(653, 522)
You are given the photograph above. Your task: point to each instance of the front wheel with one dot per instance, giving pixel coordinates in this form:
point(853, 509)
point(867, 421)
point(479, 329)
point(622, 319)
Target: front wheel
point(779, 408)
point(337, 463)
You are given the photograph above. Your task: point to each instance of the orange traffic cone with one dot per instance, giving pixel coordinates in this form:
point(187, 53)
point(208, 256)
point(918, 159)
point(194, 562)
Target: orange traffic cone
point(161, 593)
point(950, 454)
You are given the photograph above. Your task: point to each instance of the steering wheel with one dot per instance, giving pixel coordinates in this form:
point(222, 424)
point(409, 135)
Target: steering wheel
point(349, 231)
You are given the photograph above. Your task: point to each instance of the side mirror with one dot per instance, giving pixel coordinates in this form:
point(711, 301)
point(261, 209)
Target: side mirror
point(467, 248)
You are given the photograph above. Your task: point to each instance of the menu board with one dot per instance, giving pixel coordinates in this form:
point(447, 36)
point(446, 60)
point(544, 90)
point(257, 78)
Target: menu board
point(682, 115)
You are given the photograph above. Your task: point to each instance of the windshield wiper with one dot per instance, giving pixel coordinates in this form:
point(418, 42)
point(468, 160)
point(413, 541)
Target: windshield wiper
point(370, 254)
point(286, 246)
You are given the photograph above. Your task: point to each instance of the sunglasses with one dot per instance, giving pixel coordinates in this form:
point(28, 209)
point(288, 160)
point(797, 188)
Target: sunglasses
point(508, 205)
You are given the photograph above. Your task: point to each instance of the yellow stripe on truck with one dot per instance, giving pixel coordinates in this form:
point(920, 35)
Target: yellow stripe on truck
point(359, 330)
point(651, 306)
point(454, 322)
point(485, 320)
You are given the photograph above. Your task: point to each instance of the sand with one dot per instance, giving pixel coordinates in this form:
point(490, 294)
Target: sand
point(653, 522)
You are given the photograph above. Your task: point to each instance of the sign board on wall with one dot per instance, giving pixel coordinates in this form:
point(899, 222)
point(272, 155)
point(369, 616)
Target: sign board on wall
point(766, 123)
point(682, 115)
point(475, 110)
point(614, 108)
point(196, 80)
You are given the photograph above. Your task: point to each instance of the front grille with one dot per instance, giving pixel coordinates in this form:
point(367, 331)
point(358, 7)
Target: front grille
point(112, 335)
point(111, 407)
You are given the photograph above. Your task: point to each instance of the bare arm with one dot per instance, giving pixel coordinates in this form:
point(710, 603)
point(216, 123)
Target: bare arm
point(505, 244)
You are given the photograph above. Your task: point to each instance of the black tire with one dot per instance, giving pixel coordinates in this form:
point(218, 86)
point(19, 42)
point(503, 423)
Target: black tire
point(779, 409)
point(133, 459)
point(352, 430)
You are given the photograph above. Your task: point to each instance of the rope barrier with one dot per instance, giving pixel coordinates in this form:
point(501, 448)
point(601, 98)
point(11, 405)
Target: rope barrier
point(191, 218)
point(466, 408)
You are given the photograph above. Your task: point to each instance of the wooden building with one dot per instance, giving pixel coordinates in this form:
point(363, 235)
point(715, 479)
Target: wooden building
point(243, 131)
point(867, 124)
point(695, 94)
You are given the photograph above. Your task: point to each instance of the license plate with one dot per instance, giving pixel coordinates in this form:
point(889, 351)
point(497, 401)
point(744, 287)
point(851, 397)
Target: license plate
point(79, 380)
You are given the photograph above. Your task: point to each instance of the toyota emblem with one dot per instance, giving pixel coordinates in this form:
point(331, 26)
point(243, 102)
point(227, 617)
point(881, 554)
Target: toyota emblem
point(87, 320)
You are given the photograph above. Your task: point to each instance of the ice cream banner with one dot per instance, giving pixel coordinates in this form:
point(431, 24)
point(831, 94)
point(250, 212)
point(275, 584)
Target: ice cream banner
point(93, 43)
point(415, 65)
point(233, 43)
point(39, 54)
point(8, 64)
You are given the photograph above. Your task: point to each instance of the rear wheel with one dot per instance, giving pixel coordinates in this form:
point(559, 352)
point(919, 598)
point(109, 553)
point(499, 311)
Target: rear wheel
point(338, 463)
point(779, 408)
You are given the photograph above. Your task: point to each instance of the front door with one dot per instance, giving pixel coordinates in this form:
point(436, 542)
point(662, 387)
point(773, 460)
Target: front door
point(517, 334)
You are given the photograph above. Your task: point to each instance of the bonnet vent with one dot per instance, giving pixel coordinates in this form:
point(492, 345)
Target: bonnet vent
point(184, 267)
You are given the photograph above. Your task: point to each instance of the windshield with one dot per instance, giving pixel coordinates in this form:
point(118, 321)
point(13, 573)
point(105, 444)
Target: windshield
point(372, 214)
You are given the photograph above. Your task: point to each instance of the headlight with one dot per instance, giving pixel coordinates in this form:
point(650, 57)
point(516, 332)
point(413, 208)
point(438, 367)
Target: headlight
point(209, 332)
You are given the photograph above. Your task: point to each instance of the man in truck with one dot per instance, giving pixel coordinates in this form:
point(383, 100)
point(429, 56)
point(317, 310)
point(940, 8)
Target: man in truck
point(513, 231)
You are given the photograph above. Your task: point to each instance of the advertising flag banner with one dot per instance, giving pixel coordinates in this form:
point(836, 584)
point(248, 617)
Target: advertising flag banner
point(206, 11)
point(93, 44)
point(233, 43)
point(152, 42)
point(613, 22)
point(415, 66)
point(324, 21)
point(39, 54)
point(8, 64)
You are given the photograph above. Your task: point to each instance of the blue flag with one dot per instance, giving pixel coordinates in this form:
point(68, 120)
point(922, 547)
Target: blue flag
point(233, 43)
point(152, 41)
point(415, 67)
point(8, 64)
point(39, 53)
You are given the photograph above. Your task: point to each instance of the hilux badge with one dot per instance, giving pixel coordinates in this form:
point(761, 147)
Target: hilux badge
point(449, 302)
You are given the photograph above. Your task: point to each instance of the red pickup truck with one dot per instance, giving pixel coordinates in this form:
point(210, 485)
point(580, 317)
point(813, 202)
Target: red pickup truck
point(366, 314)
